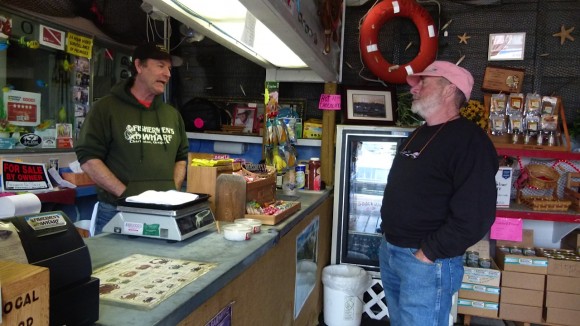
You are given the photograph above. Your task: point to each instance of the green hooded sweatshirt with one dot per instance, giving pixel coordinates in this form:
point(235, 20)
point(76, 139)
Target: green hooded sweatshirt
point(139, 145)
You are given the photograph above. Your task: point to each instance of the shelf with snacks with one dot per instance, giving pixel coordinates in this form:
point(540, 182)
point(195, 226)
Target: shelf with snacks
point(560, 147)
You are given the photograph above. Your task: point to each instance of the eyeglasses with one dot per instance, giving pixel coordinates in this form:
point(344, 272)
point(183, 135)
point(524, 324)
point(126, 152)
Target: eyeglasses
point(415, 155)
point(408, 153)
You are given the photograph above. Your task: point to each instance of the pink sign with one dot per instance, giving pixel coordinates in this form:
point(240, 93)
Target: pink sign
point(509, 229)
point(329, 102)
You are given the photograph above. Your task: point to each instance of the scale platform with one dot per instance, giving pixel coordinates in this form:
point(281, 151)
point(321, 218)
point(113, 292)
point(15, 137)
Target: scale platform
point(168, 222)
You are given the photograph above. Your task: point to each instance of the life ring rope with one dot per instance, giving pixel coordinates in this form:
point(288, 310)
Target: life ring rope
point(370, 27)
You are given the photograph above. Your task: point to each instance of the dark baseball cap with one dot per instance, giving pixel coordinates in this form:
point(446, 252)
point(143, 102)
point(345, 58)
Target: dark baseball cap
point(152, 51)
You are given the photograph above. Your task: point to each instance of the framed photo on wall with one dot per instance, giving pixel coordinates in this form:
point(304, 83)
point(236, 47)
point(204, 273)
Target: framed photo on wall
point(371, 106)
point(245, 116)
point(506, 46)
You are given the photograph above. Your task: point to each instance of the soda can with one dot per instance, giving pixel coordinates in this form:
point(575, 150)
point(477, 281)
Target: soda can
point(515, 250)
point(529, 251)
point(504, 249)
point(485, 262)
point(472, 258)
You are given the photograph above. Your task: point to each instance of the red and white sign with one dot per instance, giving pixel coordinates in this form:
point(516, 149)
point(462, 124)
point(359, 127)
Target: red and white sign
point(22, 108)
point(51, 37)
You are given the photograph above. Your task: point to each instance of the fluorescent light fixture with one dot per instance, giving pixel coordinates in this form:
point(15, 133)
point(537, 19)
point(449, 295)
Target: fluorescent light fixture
point(285, 37)
point(241, 28)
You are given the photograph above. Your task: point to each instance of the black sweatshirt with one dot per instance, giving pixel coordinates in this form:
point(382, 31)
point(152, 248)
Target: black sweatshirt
point(444, 201)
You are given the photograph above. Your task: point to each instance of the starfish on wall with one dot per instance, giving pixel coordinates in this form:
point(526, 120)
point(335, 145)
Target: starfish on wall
point(463, 38)
point(565, 34)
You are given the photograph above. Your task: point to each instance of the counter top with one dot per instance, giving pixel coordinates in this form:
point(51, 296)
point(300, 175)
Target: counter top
point(232, 259)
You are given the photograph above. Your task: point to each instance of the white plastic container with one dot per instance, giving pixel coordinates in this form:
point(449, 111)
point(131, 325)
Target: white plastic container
point(252, 222)
point(237, 232)
point(344, 286)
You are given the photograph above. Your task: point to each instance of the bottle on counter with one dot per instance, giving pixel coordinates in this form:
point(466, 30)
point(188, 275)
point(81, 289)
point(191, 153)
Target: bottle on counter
point(314, 182)
point(300, 176)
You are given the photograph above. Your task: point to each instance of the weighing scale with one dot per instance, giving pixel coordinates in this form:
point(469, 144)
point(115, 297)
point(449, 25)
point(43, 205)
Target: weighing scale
point(160, 221)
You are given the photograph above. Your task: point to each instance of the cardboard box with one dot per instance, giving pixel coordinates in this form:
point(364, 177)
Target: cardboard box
point(563, 267)
point(562, 316)
point(563, 300)
point(523, 280)
point(25, 294)
point(482, 276)
point(523, 297)
point(477, 308)
point(312, 129)
point(527, 240)
point(571, 241)
point(503, 181)
point(521, 313)
point(479, 292)
point(79, 179)
point(563, 284)
point(521, 263)
point(482, 247)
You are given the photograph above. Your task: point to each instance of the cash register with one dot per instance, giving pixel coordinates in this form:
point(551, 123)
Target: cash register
point(50, 239)
point(162, 221)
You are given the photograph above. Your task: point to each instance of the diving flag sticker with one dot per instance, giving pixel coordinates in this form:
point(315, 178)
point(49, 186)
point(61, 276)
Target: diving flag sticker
point(51, 37)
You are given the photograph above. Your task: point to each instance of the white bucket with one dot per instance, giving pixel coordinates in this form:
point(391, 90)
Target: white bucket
point(343, 289)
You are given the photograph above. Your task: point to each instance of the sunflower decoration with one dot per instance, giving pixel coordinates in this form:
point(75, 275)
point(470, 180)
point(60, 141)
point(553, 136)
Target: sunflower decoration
point(475, 111)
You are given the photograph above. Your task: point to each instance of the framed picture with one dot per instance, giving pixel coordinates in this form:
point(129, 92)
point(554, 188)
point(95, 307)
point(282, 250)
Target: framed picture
point(245, 116)
point(372, 106)
point(506, 46)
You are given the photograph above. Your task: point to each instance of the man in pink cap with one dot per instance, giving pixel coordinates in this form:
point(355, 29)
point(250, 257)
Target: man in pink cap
point(440, 199)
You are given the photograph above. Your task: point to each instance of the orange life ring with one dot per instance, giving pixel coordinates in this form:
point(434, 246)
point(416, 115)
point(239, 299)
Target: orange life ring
point(371, 27)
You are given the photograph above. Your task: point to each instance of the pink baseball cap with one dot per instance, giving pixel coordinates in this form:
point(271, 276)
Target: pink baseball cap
point(458, 76)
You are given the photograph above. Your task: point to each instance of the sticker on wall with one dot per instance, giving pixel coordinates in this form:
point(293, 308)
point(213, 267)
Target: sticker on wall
point(79, 45)
point(51, 37)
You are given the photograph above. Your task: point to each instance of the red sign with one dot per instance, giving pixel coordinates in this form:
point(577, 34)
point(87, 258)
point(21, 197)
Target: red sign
point(17, 176)
point(52, 37)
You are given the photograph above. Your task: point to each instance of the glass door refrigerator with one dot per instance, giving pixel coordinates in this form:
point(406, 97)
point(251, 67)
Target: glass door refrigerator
point(364, 155)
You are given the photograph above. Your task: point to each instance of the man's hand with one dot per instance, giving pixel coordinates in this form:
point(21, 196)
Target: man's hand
point(421, 256)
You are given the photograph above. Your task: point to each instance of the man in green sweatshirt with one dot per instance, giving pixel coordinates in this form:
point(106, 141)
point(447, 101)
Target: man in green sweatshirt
point(131, 141)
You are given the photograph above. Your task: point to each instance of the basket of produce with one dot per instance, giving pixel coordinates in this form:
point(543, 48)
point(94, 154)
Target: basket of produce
point(541, 176)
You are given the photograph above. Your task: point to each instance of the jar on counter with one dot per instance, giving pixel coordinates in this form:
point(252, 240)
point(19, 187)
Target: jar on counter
point(300, 176)
point(314, 182)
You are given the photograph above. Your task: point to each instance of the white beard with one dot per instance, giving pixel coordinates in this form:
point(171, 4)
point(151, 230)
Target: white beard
point(426, 106)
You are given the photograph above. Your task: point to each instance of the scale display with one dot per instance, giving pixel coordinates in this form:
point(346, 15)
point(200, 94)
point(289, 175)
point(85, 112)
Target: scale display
point(174, 223)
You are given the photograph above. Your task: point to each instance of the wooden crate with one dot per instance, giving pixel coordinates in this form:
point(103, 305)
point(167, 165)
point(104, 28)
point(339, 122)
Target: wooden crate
point(276, 218)
point(25, 294)
point(262, 191)
point(571, 191)
point(202, 179)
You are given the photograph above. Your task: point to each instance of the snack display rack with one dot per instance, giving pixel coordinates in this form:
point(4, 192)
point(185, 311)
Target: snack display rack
point(562, 143)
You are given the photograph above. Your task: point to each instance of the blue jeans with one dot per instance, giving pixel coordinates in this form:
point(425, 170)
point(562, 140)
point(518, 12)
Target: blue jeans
point(104, 215)
point(418, 293)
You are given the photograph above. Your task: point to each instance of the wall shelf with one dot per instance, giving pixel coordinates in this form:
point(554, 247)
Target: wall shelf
point(564, 221)
point(521, 211)
point(558, 155)
point(244, 139)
